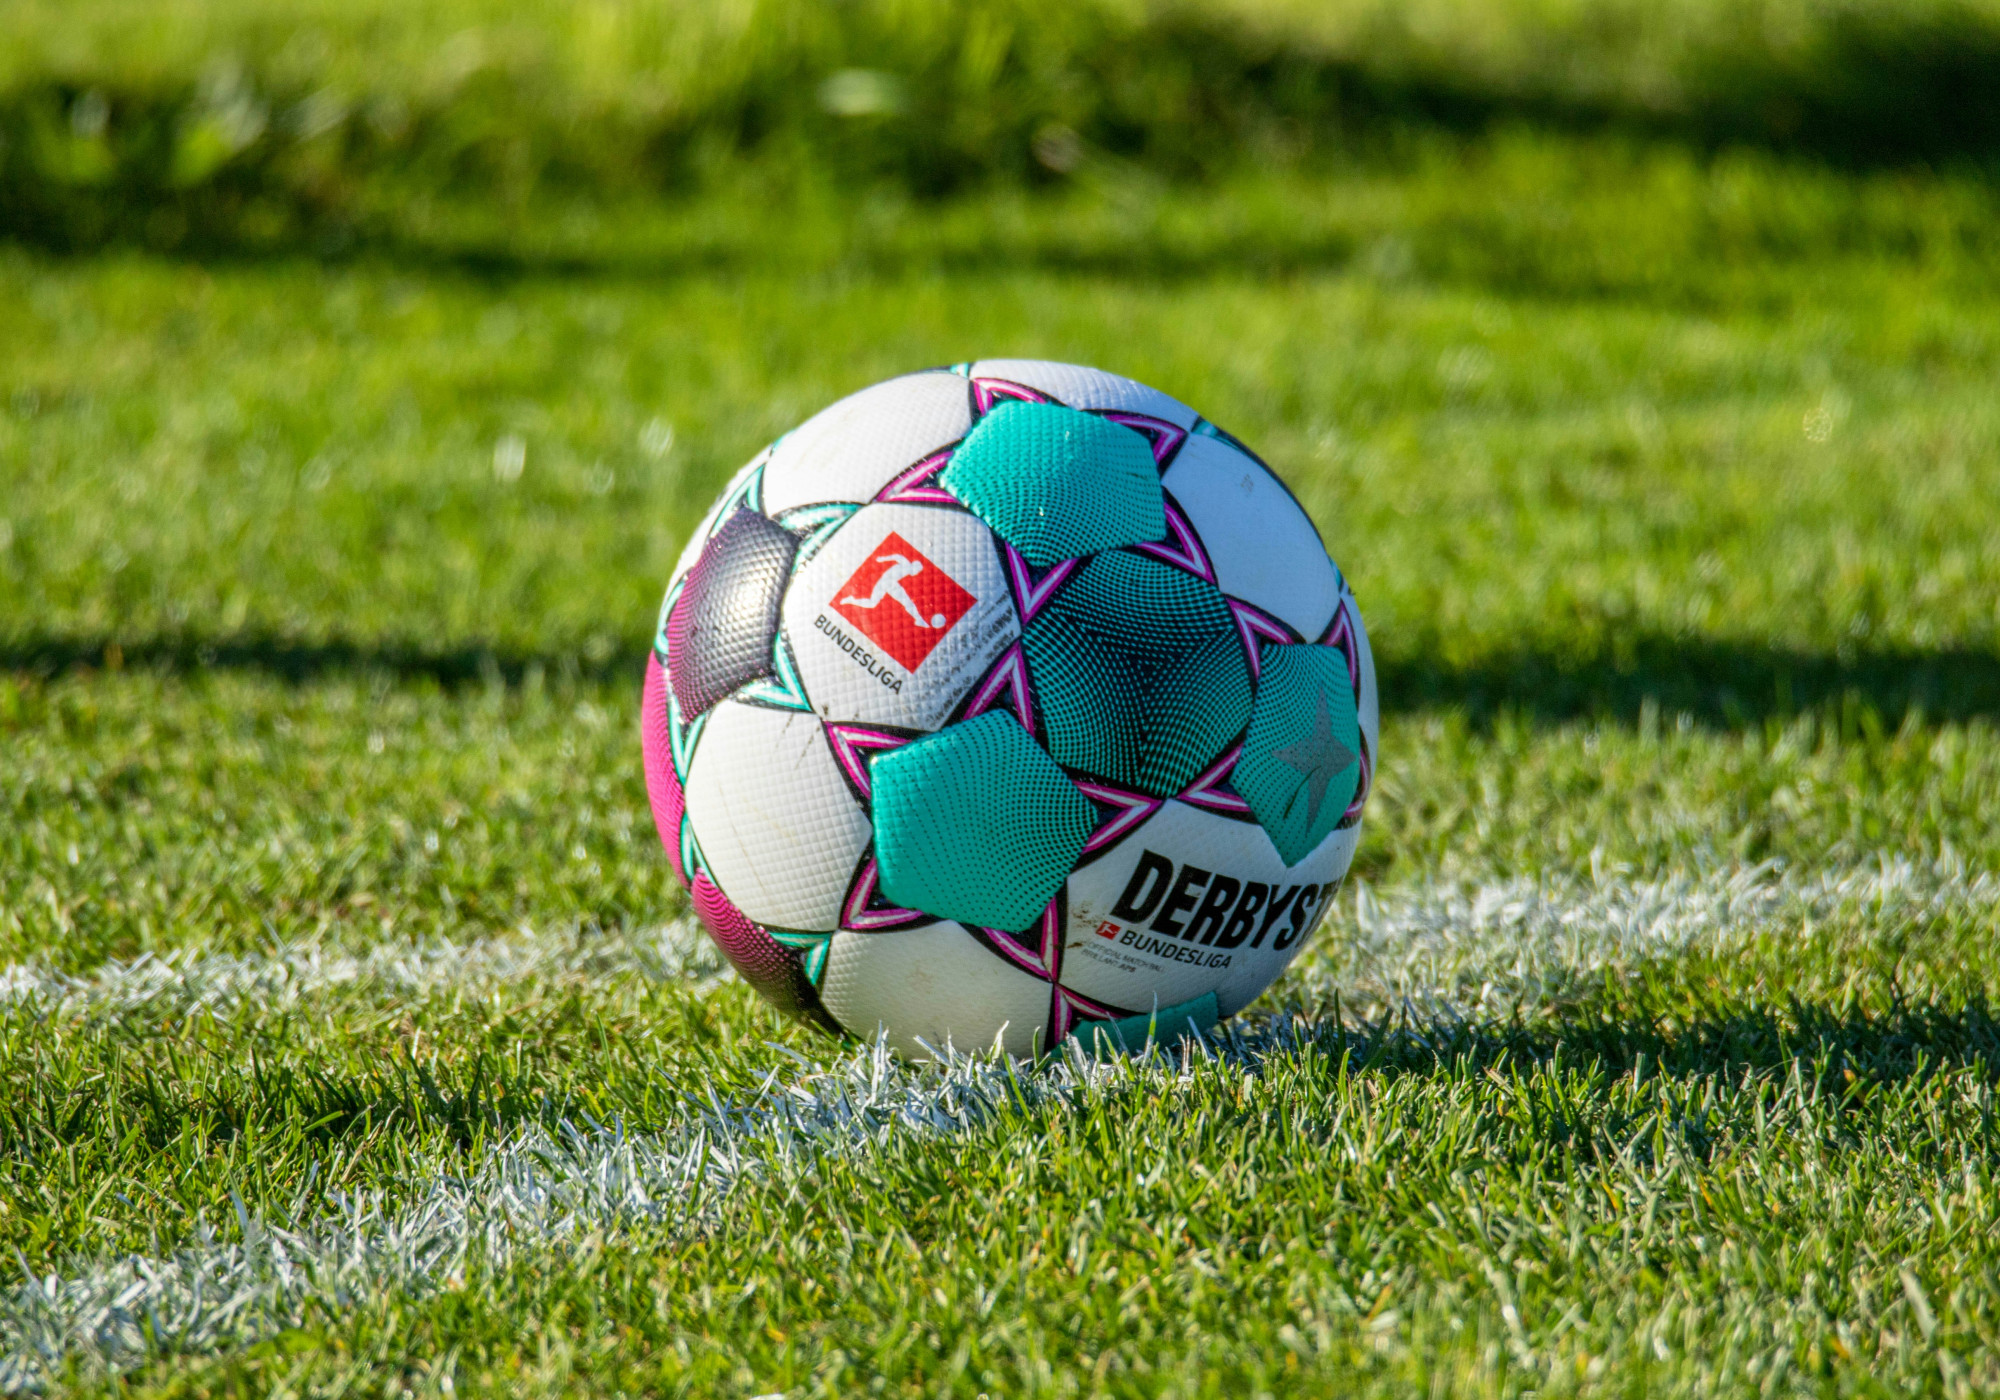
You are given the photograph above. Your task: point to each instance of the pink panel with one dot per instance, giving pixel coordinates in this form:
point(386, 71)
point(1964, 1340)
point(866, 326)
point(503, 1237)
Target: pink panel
point(759, 959)
point(663, 785)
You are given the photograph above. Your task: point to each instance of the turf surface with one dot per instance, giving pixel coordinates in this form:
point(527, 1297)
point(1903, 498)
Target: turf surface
point(351, 1037)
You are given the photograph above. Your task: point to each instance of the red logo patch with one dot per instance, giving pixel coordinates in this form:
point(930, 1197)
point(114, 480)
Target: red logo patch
point(902, 602)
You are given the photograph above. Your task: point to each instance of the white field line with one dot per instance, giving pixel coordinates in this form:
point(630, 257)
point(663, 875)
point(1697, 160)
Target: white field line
point(1462, 951)
point(1454, 948)
point(535, 1194)
point(190, 981)
point(1451, 950)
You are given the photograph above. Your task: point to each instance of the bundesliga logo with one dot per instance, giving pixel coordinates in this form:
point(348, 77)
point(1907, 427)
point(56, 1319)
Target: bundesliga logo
point(902, 602)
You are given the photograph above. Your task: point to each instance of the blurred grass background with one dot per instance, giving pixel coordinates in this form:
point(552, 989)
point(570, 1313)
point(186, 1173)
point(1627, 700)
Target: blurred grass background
point(255, 123)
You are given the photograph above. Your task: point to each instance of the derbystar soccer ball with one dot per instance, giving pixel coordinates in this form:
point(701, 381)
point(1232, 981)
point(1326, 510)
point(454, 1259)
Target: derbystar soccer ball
point(1009, 701)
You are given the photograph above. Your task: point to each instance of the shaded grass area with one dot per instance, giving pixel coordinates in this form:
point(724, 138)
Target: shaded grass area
point(1517, 209)
point(242, 124)
point(1647, 677)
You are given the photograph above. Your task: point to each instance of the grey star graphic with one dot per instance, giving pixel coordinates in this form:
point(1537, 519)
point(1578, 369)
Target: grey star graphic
point(1318, 758)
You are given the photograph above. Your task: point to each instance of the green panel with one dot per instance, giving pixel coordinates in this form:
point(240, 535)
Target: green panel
point(1058, 484)
point(976, 823)
point(1300, 762)
point(1139, 673)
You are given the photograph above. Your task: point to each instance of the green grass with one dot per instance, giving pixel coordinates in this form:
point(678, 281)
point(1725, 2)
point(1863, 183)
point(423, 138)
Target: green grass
point(1638, 403)
point(327, 881)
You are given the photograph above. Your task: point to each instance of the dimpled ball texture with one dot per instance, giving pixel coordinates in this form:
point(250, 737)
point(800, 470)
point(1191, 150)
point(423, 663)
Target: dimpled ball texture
point(1004, 704)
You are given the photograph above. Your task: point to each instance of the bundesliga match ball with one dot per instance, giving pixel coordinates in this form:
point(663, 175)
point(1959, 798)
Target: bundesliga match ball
point(1009, 702)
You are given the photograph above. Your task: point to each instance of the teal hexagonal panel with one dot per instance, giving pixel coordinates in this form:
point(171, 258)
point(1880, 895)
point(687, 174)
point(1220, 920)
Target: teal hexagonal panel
point(976, 823)
point(1300, 762)
point(1058, 484)
point(1139, 673)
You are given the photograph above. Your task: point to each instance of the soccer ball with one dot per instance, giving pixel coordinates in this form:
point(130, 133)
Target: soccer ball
point(1009, 702)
